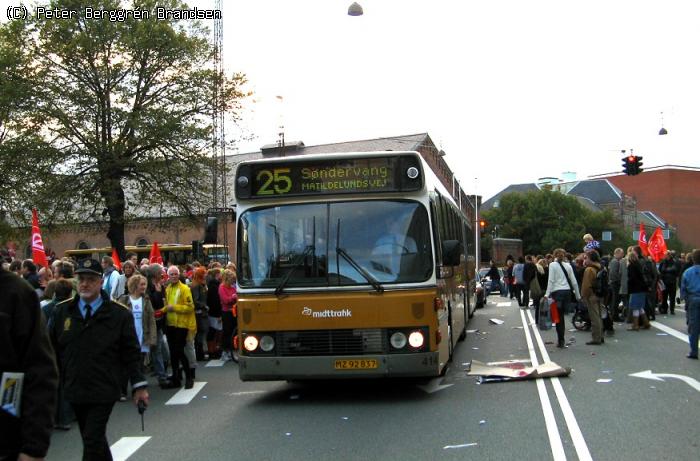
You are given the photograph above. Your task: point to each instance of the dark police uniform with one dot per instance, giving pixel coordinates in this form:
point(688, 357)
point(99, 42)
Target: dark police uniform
point(93, 354)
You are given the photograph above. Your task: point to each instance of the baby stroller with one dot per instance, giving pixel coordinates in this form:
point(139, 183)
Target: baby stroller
point(582, 321)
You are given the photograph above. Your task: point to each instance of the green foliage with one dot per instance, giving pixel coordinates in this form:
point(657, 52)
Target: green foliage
point(546, 220)
point(111, 116)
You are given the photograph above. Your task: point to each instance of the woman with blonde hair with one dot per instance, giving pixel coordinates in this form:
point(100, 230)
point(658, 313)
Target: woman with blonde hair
point(144, 321)
point(562, 288)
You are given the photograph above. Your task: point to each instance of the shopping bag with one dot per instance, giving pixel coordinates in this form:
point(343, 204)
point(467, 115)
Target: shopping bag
point(543, 321)
point(554, 311)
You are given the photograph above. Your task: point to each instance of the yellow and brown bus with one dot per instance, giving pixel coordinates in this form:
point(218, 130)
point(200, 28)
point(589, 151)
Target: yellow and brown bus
point(172, 253)
point(349, 265)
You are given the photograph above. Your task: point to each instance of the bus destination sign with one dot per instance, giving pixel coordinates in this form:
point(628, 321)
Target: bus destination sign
point(344, 175)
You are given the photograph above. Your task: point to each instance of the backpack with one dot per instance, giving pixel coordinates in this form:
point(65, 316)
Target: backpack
point(600, 284)
point(648, 274)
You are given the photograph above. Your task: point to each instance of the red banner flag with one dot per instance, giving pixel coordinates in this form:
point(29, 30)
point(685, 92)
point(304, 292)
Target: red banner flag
point(117, 261)
point(155, 257)
point(38, 253)
point(642, 241)
point(657, 245)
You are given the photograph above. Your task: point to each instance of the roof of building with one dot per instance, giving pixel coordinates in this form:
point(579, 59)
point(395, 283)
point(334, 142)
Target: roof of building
point(599, 191)
point(488, 204)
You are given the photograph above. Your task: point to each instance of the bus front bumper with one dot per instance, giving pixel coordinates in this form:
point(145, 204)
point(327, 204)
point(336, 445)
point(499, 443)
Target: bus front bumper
point(322, 367)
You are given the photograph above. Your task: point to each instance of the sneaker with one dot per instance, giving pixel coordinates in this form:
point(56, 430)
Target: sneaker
point(690, 356)
point(225, 356)
point(122, 398)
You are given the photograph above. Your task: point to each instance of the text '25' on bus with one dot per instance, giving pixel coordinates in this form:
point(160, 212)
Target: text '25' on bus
point(349, 265)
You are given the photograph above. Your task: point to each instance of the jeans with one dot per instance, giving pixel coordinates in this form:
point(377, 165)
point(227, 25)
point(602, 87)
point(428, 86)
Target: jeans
point(159, 356)
point(693, 319)
point(563, 299)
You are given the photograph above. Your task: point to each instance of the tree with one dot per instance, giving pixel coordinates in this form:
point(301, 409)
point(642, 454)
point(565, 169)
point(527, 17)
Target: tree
point(546, 220)
point(120, 115)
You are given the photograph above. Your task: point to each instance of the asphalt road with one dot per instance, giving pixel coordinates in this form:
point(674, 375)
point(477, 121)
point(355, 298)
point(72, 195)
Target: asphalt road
point(575, 417)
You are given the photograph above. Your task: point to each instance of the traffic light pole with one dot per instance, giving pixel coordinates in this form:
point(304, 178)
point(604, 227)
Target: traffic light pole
point(477, 230)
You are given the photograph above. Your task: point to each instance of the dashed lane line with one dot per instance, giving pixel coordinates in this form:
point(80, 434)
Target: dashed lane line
point(550, 422)
point(215, 363)
point(127, 446)
point(185, 396)
point(666, 329)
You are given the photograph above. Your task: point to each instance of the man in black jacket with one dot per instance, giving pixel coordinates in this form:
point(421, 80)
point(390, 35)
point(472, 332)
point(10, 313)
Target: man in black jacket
point(96, 343)
point(669, 271)
point(25, 348)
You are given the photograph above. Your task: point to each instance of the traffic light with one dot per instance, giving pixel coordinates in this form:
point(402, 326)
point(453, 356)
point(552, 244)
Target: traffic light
point(632, 165)
point(482, 225)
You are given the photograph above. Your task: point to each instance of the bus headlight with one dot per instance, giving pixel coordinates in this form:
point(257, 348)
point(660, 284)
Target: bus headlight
point(398, 340)
point(415, 339)
point(267, 343)
point(250, 343)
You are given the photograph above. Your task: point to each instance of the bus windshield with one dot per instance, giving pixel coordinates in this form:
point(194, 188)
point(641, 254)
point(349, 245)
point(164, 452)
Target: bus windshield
point(320, 244)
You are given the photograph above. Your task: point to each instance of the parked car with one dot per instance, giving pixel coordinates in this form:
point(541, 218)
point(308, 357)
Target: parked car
point(492, 286)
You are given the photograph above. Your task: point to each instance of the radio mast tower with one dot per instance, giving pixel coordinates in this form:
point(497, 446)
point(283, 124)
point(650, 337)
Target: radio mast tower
point(220, 206)
point(219, 195)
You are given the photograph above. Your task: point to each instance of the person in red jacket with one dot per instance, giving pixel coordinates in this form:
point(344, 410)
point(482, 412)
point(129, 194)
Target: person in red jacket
point(229, 298)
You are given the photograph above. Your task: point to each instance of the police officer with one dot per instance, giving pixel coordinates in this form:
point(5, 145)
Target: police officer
point(96, 343)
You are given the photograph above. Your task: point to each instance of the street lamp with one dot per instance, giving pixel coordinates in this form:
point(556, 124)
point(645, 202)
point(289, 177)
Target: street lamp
point(663, 130)
point(355, 9)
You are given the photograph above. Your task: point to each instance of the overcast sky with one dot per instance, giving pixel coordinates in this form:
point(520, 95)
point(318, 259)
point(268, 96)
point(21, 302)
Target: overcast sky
point(511, 90)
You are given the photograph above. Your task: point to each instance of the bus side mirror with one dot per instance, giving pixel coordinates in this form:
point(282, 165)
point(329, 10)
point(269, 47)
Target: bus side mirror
point(451, 251)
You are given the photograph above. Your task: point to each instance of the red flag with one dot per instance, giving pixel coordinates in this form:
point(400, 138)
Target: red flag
point(117, 261)
point(155, 257)
point(642, 241)
point(38, 253)
point(657, 245)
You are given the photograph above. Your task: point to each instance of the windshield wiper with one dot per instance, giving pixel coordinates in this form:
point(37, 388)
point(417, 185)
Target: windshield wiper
point(300, 259)
point(360, 269)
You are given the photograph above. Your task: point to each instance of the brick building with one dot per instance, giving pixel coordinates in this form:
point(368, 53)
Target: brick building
point(672, 191)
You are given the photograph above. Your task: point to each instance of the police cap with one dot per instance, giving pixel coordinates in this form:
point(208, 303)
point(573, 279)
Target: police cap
point(89, 266)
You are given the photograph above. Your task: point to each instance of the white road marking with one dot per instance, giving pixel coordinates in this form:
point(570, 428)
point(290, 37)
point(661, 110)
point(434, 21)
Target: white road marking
point(503, 304)
point(215, 363)
point(683, 337)
point(127, 446)
point(549, 420)
point(434, 385)
point(185, 396)
point(464, 445)
point(574, 429)
point(236, 394)
point(648, 374)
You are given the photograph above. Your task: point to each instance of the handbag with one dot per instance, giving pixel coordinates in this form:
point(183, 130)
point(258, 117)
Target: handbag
point(571, 287)
point(535, 289)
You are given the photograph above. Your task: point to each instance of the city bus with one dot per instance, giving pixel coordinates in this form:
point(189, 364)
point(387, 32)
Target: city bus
point(349, 265)
point(172, 253)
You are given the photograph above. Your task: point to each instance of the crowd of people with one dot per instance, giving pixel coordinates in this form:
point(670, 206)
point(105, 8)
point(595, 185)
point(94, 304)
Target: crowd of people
point(88, 329)
point(626, 286)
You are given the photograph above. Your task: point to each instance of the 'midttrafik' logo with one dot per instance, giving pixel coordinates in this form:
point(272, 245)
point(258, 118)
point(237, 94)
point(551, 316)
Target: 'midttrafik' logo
point(326, 313)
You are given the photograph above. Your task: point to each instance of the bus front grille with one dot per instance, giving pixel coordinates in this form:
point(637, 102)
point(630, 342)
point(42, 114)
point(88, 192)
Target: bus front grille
point(331, 342)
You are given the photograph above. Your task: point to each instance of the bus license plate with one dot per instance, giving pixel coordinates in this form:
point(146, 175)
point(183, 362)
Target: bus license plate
point(356, 364)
